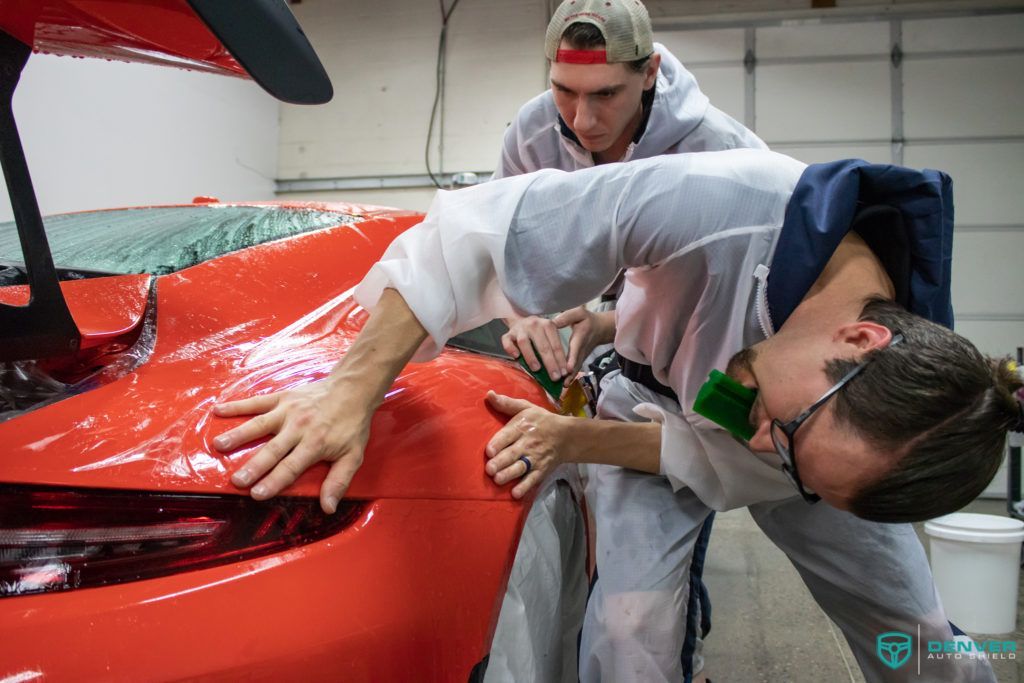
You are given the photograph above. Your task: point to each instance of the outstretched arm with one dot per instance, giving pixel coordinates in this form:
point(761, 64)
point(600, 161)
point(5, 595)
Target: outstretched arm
point(327, 420)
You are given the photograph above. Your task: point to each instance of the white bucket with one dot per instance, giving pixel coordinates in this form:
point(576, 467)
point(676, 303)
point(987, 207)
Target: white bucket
point(976, 563)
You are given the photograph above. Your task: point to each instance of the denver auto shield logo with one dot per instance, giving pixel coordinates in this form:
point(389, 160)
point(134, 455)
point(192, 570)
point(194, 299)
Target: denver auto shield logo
point(893, 648)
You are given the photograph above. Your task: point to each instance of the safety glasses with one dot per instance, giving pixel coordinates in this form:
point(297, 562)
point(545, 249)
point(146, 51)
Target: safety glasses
point(783, 432)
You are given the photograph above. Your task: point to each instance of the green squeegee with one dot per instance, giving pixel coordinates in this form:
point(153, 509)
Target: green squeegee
point(727, 403)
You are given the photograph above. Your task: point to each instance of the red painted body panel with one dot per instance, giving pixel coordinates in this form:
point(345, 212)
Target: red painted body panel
point(151, 31)
point(411, 592)
point(103, 308)
point(407, 594)
point(263, 319)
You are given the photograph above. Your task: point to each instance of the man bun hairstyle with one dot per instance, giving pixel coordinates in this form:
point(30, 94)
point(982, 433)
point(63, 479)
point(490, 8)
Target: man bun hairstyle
point(936, 402)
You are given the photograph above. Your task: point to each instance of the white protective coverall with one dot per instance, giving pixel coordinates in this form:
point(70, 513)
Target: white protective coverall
point(531, 642)
point(696, 233)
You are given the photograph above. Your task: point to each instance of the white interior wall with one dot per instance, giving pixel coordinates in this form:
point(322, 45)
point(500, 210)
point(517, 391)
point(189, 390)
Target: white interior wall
point(102, 134)
point(495, 64)
point(381, 58)
point(715, 58)
point(962, 103)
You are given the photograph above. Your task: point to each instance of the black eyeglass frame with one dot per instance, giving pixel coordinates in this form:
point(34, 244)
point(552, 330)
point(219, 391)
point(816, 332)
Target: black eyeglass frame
point(786, 450)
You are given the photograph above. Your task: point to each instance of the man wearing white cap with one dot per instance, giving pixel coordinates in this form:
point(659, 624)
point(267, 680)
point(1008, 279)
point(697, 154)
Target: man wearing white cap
point(615, 96)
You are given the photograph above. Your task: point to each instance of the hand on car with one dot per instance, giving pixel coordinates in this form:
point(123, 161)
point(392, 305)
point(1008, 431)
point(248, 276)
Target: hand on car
point(327, 420)
point(532, 432)
point(309, 424)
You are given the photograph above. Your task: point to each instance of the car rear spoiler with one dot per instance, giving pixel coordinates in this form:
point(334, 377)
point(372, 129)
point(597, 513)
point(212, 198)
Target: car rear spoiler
point(269, 44)
point(264, 38)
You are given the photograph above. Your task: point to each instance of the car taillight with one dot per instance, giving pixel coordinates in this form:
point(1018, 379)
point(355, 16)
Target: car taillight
point(60, 539)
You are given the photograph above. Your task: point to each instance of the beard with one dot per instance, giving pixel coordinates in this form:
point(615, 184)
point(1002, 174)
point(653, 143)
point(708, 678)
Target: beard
point(739, 367)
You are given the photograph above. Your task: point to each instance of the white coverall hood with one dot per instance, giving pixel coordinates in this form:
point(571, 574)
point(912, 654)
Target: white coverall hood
point(679, 107)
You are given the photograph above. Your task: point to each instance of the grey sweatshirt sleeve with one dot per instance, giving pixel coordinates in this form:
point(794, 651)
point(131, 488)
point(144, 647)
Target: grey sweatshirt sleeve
point(509, 164)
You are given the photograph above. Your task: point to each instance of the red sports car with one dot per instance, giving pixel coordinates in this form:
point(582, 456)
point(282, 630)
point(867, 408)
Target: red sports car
point(125, 552)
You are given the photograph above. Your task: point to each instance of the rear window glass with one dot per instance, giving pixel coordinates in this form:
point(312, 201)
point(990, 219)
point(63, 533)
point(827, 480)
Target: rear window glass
point(163, 240)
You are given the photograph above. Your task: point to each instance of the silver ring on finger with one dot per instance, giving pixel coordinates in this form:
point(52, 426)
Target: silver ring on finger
point(526, 461)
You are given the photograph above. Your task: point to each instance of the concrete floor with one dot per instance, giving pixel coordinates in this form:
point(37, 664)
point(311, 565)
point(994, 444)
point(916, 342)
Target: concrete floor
point(767, 627)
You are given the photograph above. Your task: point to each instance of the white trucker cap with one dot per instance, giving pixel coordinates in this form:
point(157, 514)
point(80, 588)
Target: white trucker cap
point(625, 25)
